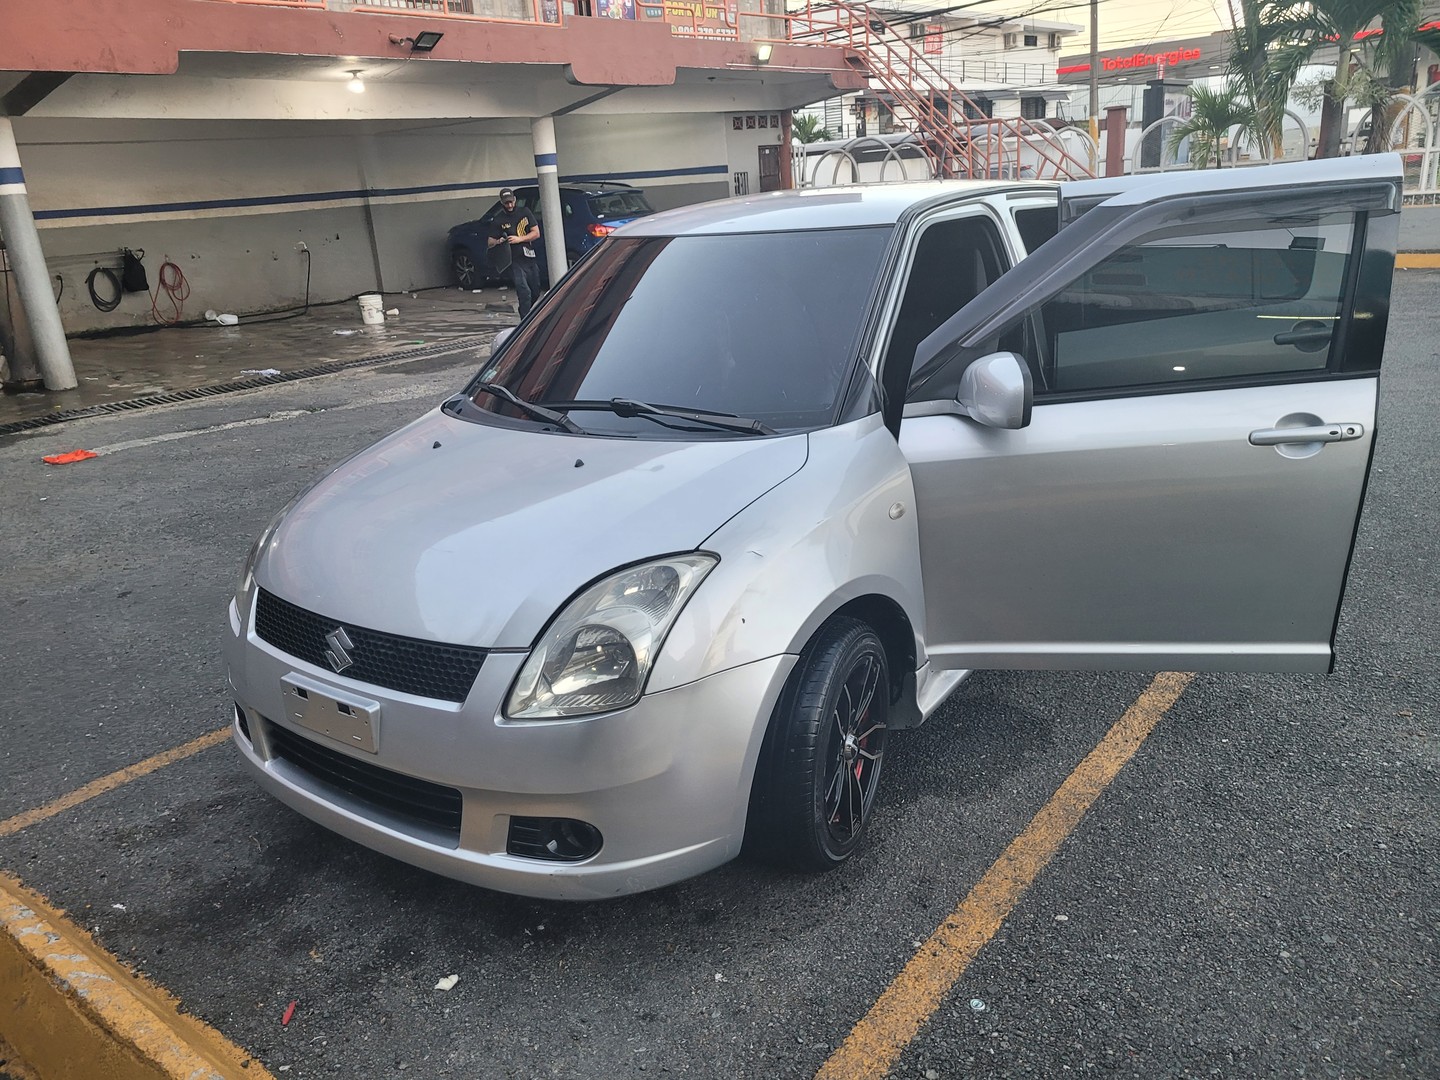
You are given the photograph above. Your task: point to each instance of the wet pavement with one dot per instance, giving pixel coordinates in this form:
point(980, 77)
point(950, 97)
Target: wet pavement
point(163, 360)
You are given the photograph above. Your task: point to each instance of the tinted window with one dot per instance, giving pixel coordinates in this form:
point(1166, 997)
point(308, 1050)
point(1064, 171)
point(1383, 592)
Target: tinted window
point(763, 325)
point(1037, 224)
point(954, 261)
point(618, 204)
point(1182, 305)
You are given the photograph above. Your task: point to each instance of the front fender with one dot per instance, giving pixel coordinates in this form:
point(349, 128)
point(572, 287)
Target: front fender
point(841, 528)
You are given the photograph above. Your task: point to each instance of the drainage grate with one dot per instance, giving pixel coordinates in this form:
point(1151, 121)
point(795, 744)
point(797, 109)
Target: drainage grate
point(440, 348)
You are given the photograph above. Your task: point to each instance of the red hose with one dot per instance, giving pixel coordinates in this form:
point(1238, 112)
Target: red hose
point(171, 281)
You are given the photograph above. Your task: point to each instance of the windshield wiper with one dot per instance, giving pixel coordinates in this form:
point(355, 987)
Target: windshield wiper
point(531, 409)
point(628, 407)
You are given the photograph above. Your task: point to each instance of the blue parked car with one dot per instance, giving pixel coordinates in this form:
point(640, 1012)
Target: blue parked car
point(591, 210)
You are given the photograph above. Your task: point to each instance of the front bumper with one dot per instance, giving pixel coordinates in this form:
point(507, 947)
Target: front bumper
point(666, 782)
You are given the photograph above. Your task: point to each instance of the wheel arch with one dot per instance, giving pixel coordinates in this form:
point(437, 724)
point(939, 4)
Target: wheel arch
point(892, 626)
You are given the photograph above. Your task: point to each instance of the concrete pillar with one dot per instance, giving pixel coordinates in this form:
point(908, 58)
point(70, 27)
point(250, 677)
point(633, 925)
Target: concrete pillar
point(547, 174)
point(1115, 124)
point(16, 343)
point(27, 264)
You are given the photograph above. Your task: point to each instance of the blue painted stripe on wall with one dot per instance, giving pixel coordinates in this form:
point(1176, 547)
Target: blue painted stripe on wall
point(545, 159)
point(12, 175)
point(698, 170)
point(334, 196)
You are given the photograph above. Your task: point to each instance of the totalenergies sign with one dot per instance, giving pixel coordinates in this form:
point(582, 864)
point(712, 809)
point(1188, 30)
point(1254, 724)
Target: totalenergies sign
point(1144, 59)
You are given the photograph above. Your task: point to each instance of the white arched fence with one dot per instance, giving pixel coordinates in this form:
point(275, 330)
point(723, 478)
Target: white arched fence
point(1414, 134)
point(1240, 150)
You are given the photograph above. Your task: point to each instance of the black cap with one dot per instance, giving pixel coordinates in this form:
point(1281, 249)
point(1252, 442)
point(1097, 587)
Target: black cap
point(506, 193)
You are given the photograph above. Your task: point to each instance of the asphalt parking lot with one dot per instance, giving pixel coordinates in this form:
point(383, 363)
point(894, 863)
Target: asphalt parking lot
point(1252, 895)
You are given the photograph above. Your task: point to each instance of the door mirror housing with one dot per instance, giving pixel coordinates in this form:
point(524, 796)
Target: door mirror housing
point(499, 339)
point(997, 391)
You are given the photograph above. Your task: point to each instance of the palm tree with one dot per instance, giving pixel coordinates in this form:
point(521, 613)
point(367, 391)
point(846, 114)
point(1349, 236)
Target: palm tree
point(1213, 113)
point(1251, 43)
point(1301, 28)
point(807, 128)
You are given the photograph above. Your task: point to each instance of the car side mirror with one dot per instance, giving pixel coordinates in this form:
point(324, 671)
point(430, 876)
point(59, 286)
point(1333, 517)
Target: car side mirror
point(997, 391)
point(499, 339)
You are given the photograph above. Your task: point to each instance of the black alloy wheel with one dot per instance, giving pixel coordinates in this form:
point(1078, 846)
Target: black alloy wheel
point(467, 274)
point(820, 764)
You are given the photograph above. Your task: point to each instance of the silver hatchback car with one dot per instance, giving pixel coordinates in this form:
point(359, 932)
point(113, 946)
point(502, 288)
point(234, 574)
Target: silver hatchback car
point(761, 480)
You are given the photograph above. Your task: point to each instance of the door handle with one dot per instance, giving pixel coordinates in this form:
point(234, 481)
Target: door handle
point(1302, 337)
point(1322, 433)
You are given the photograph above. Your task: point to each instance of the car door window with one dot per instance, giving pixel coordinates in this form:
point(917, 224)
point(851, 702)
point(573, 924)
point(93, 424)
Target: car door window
point(1179, 305)
point(1036, 224)
point(954, 262)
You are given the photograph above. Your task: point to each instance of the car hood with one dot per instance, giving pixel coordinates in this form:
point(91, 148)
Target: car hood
point(475, 534)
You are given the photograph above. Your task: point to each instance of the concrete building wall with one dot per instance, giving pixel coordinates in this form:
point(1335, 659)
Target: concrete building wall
point(230, 201)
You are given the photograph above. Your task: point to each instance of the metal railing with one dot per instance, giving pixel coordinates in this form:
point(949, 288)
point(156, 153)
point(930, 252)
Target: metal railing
point(1414, 134)
point(951, 127)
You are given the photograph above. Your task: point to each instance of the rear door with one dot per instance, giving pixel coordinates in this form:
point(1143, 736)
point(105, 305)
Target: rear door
point(1205, 350)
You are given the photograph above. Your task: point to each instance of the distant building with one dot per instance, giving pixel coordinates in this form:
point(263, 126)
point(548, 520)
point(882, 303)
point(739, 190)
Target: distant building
point(1005, 66)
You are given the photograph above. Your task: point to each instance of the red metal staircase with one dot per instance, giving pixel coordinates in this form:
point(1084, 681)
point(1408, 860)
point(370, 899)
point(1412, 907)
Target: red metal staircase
point(951, 127)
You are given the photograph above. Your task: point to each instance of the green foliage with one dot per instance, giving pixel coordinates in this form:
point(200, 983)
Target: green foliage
point(1213, 114)
point(807, 128)
point(1250, 47)
point(1293, 31)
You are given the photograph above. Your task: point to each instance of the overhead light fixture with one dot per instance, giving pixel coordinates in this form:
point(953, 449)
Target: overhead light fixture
point(424, 41)
point(762, 52)
point(356, 85)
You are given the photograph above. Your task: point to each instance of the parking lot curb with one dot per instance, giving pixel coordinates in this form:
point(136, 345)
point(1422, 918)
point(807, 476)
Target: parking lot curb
point(74, 1012)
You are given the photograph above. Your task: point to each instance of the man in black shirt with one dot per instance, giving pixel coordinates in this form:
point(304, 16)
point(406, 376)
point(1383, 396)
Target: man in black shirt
point(517, 228)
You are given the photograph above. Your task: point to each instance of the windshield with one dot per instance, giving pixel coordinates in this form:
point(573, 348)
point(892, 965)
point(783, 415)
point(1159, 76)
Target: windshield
point(756, 325)
point(619, 204)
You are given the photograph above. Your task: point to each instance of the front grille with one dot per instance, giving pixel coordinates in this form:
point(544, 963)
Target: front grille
point(419, 806)
point(411, 665)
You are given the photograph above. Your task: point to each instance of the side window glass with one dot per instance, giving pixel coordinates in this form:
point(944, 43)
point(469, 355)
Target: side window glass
point(1037, 224)
point(954, 261)
point(1235, 301)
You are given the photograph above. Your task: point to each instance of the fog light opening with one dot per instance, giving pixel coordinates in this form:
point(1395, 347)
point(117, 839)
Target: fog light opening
point(242, 722)
point(553, 839)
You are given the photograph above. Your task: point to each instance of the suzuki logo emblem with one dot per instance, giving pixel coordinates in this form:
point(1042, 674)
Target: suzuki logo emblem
point(338, 655)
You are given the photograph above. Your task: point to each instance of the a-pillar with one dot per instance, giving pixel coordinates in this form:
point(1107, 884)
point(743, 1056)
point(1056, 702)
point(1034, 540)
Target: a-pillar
point(547, 173)
point(27, 264)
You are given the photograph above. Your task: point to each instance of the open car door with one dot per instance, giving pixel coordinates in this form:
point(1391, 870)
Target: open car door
point(1198, 356)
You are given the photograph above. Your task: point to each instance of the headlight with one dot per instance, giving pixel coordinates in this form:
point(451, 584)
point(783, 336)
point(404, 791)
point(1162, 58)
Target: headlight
point(597, 653)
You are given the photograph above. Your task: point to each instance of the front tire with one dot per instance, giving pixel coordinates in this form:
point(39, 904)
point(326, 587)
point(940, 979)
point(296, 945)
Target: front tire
point(820, 763)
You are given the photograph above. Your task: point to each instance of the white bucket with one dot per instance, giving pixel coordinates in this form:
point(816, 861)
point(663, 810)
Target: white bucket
point(372, 309)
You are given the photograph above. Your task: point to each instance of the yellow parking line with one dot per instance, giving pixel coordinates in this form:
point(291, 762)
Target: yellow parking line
point(71, 1009)
point(11, 826)
point(876, 1042)
point(1417, 260)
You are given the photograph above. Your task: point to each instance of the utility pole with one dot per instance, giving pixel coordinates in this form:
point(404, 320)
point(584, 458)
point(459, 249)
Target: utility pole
point(1095, 71)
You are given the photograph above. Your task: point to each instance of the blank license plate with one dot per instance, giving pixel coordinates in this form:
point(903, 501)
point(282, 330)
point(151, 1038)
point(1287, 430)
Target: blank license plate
point(346, 718)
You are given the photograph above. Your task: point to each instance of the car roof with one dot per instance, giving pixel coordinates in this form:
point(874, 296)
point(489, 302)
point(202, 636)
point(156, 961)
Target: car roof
point(814, 208)
point(587, 187)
